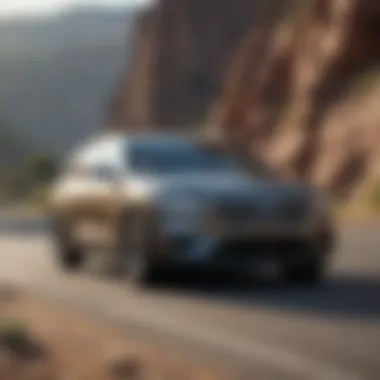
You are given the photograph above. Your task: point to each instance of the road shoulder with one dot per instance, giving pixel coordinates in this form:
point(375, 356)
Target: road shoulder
point(82, 348)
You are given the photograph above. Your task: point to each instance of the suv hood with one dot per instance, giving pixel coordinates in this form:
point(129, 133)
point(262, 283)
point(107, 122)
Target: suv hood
point(218, 186)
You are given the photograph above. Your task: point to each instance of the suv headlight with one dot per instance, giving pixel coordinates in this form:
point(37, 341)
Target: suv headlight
point(182, 215)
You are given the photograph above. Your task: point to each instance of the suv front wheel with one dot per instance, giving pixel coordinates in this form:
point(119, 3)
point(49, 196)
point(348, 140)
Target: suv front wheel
point(306, 274)
point(135, 256)
point(69, 255)
point(71, 258)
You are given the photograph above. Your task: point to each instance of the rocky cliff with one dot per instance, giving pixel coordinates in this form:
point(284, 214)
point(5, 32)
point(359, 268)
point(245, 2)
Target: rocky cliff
point(305, 94)
point(182, 51)
point(294, 81)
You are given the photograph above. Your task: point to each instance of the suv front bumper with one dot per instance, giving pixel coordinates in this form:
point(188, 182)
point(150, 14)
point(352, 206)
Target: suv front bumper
point(245, 249)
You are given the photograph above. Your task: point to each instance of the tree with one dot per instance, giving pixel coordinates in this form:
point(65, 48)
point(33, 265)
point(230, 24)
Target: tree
point(41, 169)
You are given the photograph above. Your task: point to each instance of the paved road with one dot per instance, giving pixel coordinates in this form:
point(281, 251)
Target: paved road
point(327, 333)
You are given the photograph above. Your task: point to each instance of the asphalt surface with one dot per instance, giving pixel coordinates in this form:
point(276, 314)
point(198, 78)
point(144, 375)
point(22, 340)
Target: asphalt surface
point(266, 332)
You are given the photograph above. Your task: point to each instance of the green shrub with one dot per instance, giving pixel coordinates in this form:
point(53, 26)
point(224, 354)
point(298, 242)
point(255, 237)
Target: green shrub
point(12, 333)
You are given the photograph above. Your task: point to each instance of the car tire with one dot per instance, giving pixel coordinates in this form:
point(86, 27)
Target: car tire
point(306, 274)
point(135, 258)
point(69, 256)
point(312, 271)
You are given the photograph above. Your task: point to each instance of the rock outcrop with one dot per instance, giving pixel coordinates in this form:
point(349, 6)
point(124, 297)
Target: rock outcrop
point(296, 81)
point(182, 50)
point(305, 94)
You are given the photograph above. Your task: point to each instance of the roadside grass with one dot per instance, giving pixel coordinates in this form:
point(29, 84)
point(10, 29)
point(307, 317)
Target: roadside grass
point(29, 181)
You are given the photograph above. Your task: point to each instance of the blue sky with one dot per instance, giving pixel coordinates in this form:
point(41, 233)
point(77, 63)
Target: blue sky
point(15, 8)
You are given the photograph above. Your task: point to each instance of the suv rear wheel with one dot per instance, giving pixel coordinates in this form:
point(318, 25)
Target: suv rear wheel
point(312, 271)
point(309, 273)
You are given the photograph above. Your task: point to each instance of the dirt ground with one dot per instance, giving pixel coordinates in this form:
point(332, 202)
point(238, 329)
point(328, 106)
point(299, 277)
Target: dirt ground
point(63, 345)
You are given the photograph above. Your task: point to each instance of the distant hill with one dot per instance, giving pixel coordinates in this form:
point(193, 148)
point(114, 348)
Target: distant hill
point(57, 74)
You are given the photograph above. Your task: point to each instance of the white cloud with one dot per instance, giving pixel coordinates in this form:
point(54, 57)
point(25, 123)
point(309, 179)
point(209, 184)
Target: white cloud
point(10, 8)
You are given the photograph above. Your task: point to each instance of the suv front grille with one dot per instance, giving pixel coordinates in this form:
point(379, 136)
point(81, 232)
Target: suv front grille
point(274, 210)
point(240, 213)
point(250, 249)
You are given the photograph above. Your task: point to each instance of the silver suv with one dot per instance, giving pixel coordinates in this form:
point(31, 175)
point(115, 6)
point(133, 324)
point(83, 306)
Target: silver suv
point(160, 200)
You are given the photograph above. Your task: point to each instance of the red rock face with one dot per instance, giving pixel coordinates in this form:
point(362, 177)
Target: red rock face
point(301, 103)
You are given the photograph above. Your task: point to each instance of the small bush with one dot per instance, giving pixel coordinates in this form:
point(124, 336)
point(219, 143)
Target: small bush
point(29, 180)
point(41, 168)
point(12, 333)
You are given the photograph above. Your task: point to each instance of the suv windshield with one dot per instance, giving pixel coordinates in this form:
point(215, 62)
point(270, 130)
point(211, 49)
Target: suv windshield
point(172, 157)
